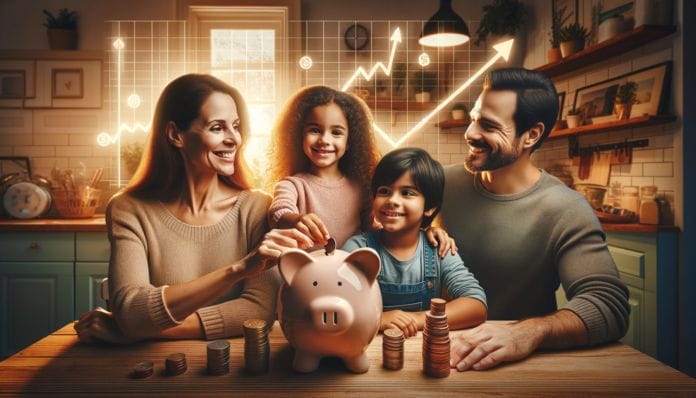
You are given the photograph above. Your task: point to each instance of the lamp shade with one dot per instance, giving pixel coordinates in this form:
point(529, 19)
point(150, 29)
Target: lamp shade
point(445, 28)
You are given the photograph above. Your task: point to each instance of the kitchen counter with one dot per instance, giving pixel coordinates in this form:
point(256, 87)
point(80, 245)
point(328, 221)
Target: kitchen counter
point(92, 224)
point(60, 364)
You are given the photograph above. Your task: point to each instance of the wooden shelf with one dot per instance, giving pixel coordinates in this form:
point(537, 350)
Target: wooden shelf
point(617, 45)
point(638, 228)
point(400, 105)
point(641, 121)
point(453, 123)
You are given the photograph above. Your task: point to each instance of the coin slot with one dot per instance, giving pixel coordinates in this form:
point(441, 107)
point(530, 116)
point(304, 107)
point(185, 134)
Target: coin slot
point(324, 318)
point(335, 318)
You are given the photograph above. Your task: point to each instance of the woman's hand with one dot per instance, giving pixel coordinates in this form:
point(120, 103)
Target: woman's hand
point(439, 238)
point(400, 320)
point(274, 243)
point(99, 326)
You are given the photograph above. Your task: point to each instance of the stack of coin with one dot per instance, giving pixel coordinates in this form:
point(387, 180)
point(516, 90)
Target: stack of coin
point(218, 357)
point(256, 347)
point(436, 341)
point(142, 370)
point(175, 364)
point(393, 349)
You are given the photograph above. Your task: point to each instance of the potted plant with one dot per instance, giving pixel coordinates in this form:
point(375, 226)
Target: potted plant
point(559, 16)
point(572, 38)
point(423, 83)
point(131, 154)
point(625, 98)
point(459, 111)
point(501, 20)
point(61, 29)
point(574, 118)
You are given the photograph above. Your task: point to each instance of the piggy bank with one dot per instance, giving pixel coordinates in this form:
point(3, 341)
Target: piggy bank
point(329, 306)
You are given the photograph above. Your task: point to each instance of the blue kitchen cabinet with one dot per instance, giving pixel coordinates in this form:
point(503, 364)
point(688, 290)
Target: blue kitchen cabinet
point(36, 287)
point(46, 281)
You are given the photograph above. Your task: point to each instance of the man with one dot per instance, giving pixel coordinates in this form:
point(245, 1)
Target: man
point(521, 232)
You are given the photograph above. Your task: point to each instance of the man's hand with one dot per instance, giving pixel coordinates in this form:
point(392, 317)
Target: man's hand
point(99, 326)
point(489, 344)
point(400, 320)
point(439, 238)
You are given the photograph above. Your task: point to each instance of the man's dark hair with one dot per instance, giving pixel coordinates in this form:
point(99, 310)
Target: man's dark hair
point(537, 99)
point(426, 172)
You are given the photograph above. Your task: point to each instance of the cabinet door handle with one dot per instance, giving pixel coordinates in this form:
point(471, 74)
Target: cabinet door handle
point(34, 246)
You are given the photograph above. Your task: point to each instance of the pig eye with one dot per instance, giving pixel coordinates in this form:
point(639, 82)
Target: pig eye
point(315, 283)
point(340, 283)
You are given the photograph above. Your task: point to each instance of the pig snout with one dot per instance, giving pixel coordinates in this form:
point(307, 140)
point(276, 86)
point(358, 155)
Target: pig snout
point(331, 314)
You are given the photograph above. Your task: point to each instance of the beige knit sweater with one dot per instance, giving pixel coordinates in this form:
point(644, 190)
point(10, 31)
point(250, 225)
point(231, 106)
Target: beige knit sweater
point(150, 248)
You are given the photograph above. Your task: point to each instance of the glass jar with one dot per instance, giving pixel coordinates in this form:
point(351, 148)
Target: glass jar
point(649, 210)
point(629, 199)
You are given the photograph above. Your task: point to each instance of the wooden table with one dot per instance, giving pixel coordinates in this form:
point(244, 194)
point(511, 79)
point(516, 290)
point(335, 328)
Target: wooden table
point(58, 364)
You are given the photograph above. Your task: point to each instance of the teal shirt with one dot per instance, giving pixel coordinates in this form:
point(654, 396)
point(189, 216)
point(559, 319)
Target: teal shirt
point(455, 277)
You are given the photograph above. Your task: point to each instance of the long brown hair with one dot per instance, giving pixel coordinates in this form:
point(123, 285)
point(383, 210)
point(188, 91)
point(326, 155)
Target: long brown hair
point(161, 173)
point(286, 156)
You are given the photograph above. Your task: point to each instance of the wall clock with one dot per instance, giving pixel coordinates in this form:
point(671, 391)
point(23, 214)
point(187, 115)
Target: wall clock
point(25, 198)
point(356, 37)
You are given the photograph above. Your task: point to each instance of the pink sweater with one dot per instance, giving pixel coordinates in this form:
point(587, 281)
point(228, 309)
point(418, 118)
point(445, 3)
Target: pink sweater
point(337, 203)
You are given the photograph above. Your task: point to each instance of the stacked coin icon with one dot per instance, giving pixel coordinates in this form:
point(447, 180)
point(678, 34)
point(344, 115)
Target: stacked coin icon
point(436, 341)
point(142, 370)
point(393, 349)
point(256, 346)
point(175, 364)
point(218, 357)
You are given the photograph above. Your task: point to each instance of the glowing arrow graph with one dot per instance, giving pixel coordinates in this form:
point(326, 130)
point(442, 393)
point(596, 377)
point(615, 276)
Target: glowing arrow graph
point(502, 51)
point(105, 139)
point(395, 39)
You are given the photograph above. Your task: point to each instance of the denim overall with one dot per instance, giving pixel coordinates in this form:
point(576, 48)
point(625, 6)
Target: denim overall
point(410, 297)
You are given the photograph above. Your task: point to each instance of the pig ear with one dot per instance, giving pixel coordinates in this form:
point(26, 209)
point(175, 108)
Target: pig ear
point(367, 260)
point(291, 261)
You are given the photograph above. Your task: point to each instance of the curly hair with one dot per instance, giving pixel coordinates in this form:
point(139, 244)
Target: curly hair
point(286, 156)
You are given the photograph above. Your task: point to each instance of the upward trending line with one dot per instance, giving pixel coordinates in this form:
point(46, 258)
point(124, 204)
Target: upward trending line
point(395, 39)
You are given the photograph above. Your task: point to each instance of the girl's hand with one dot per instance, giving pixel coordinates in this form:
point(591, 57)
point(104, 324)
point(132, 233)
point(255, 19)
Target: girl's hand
point(439, 238)
point(312, 226)
point(400, 320)
point(99, 326)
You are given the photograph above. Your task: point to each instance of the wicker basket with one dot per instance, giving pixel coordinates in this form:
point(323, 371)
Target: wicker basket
point(80, 203)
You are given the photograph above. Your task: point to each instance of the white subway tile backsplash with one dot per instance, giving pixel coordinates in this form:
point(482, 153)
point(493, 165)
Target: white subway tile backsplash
point(642, 181)
point(35, 151)
point(619, 69)
point(665, 183)
point(649, 155)
point(668, 154)
point(5, 150)
point(597, 76)
point(50, 139)
point(575, 83)
point(663, 141)
point(75, 151)
point(633, 170)
point(652, 59)
point(13, 121)
point(67, 121)
point(658, 169)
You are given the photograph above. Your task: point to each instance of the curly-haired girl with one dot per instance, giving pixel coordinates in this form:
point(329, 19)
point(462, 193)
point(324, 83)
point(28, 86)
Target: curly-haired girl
point(322, 157)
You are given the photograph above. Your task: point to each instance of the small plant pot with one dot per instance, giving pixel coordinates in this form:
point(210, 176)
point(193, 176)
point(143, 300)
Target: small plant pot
point(573, 121)
point(623, 111)
point(554, 54)
point(458, 114)
point(610, 28)
point(423, 97)
point(569, 48)
point(62, 39)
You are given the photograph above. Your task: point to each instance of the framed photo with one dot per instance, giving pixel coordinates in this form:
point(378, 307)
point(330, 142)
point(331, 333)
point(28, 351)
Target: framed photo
point(596, 102)
point(561, 103)
point(67, 83)
point(12, 84)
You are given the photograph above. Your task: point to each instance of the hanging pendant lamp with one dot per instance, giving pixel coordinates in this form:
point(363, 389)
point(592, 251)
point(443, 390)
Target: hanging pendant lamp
point(445, 28)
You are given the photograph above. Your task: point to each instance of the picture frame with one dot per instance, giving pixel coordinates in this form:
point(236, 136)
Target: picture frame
point(67, 83)
point(596, 101)
point(561, 104)
point(12, 83)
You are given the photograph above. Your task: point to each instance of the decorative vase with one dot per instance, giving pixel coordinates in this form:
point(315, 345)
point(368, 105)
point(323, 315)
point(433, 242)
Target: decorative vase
point(569, 48)
point(554, 54)
point(573, 121)
point(62, 39)
point(458, 114)
point(623, 111)
point(423, 97)
point(609, 28)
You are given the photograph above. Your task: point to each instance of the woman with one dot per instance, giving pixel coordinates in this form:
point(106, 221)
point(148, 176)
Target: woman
point(184, 230)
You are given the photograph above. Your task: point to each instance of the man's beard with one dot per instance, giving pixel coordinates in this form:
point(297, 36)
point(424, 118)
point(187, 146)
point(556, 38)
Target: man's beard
point(493, 161)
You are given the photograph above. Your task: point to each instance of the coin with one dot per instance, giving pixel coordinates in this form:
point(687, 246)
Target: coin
point(256, 346)
point(143, 369)
point(330, 247)
point(175, 364)
point(218, 358)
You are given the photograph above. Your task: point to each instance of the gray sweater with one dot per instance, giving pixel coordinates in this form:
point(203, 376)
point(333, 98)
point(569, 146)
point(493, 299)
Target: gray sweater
point(521, 246)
